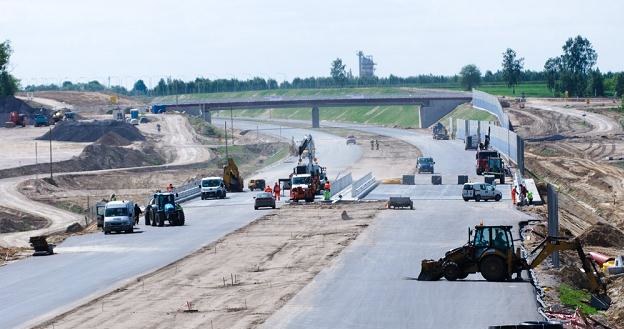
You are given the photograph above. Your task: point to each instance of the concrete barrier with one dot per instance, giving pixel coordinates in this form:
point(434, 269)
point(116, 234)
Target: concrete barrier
point(489, 179)
point(462, 179)
point(436, 180)
point(408, 180)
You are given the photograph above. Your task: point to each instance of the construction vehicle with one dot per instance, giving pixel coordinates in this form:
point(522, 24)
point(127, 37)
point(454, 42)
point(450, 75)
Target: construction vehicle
point(491, 253)
point(41, 120)
point(231, 177)
point(496, 167)
point(69, 116)
point(482, 158)
point(163, 208)
point(16, 119)
point(307, 179)
point(439, 132)
point(257, 184)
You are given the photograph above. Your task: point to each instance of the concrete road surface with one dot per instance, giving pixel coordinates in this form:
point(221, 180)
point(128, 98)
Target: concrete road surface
point(89, 265)
point(426, 192)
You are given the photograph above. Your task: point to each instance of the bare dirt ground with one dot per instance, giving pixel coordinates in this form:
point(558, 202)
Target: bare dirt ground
point(81, 101)
point(570, 144)
point(239, 281)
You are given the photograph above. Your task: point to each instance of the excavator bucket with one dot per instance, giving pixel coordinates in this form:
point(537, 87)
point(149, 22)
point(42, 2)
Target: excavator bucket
point(600, 302)
point(431, 270)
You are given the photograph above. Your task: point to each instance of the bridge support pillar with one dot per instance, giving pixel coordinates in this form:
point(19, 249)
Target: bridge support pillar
point(207, 114)
point(316, 117)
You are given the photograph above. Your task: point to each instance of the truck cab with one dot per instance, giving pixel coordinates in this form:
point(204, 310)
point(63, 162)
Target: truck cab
point(41, 120)
point(119, 217)
point(212, 187)
point(482, 157)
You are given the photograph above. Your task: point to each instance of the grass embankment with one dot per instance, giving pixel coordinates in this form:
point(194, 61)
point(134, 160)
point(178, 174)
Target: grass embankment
point(204, 128)
point(467, 112)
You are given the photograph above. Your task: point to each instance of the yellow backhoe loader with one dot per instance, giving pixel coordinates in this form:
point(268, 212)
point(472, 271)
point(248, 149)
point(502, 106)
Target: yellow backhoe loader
point(491, 253)
point(231, 177)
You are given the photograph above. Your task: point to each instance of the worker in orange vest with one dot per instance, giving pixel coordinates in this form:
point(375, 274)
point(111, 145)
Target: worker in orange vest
point(514, 192)
point(170, 187)
point(327, 190)
point(276, 190)
point(268, 189)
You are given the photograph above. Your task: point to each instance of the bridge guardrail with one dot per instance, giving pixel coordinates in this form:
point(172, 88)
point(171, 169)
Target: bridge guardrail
point(363, 185)
point(341, 183)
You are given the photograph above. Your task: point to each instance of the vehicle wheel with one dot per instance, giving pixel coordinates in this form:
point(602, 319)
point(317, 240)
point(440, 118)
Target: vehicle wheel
point(202, 197)
point(493, 268)
point(147, 219)
point(411, 207)
point(497, 198)
point(224, 195)
point(106, 232)
point(181, 218)
point(451, 271)
point(256, 208)
point(477, 198)
point(273, 207)
point(154, 218)
point(466, 199)
point(463, 275)
point(131, 230)
point(160, 219)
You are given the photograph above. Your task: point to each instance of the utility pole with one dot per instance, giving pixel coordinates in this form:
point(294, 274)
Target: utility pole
point(51, 177)
point(226, 150)
point(232, 124)
point(36, 162)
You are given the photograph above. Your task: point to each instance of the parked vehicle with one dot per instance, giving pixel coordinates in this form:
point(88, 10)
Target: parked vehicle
point(41, 120)
point(163, 207)
point(257, 184)
point(119, 217)
point(212, 187)
point(481, 191)
point(264, 199)
point(351, 140)
point(425, 164)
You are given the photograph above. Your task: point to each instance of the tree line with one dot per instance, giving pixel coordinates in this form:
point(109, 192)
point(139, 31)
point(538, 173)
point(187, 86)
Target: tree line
point(8, 83)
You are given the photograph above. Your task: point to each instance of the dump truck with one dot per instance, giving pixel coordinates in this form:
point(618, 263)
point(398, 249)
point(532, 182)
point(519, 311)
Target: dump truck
point(308, 178)
point(231, 177)
point(490, 251)
point(439, 132)
point(257, 184)
point(163, 207)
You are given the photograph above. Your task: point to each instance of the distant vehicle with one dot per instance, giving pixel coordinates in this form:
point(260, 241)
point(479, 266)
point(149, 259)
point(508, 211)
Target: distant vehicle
point(134, 122)
point(257, 184)
point(159, 109)
point(144, 120)
point(134, 114)
point(212, 187)
point(118, 217)
point(439, 131)
point(264, 199)
point(16, 119)
point(41, 120)
point(119, 115)
point(351, 140)
point(70, 116)
point(481, 191)
point(425, 164)
point(100, 209)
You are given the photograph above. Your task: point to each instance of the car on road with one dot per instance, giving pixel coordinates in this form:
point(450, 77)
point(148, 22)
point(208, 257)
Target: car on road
point(212, 187)
point(264, 199)
point(118, 217)
point(481, 191)
point(351, 140)
point(425, 164)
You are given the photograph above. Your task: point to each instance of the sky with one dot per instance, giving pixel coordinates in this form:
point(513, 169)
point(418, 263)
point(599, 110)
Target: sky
point(82, 40)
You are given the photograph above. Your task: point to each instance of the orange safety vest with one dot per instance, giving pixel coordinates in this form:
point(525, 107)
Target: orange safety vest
point(327, 186)
point(268, 189)
point(276, 188)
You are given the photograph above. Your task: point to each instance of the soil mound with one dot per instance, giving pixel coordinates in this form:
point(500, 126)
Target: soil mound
point(17, 221)
point(113, 139)
point(603, 235)
point(80, 131)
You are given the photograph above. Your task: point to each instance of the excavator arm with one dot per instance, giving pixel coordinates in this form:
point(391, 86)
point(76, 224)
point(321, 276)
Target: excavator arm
point(597, 284)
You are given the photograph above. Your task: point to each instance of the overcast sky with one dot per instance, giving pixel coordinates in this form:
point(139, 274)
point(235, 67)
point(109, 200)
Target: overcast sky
point(83, 40)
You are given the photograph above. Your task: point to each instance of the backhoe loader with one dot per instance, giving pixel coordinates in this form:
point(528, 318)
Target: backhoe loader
point(491, 253)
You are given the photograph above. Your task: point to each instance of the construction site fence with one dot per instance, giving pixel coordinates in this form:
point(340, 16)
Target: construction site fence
point(341, 183)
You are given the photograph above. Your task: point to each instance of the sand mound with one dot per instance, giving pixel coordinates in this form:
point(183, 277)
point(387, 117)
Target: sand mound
point(113, 139)
point(603, 235)
point(80, 131)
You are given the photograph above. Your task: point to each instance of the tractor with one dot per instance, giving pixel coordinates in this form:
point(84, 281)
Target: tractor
point(163, 208)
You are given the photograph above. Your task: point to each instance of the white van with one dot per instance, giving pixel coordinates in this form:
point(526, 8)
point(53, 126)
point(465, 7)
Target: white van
point(212, 187)
point(119, 217)
point(481, 191)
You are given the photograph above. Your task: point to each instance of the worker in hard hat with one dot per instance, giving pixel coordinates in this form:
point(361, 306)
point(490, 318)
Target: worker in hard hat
point(268, 189)
point(327, 190)
point(170, 187)
point(276, 191)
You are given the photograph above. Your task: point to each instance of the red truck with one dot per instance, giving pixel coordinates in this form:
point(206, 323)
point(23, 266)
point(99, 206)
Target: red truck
point(482, 160)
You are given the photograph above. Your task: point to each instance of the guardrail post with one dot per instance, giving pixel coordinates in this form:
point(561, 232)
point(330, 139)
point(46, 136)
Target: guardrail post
point(553, 219)
point(316, 117)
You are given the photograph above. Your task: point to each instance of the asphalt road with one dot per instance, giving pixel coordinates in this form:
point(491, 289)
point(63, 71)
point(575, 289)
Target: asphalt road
point(372, 283)
point(86, 266)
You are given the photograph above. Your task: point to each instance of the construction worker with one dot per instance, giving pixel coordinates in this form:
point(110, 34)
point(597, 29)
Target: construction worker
point(113, 197)
point(514, 192)
point(530, 197)
point(170, 187)
point(268, 189)
point(327, 190)
point(137, 213)
point(377, 144)
point(523, 194)
point(276, 191)
point(372, 144)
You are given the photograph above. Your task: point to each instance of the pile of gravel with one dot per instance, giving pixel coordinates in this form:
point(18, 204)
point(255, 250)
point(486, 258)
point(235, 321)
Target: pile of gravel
point(91, 131)
point(113, 139)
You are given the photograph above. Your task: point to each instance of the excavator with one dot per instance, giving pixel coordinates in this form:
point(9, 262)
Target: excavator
point(491, 253)
point(307, 179)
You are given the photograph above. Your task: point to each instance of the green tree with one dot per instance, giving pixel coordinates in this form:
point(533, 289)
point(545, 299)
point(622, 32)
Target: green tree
point(596, 86)
point(8, 83)
point(338, 72)
point(576, 62)
point(619, 85)
point(139, 88)
point(470, 76)
point(512, 69)
point(551, 68)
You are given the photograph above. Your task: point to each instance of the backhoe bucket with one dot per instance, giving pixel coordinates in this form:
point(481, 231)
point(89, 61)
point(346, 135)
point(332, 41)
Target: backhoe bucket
point(600, 302)
point(431, 270)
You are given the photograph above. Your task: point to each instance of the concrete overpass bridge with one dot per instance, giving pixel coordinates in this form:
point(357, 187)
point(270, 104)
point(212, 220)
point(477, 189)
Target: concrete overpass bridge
point(433, 105)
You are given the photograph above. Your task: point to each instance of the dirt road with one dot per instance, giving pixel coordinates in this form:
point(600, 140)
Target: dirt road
point(600, 124)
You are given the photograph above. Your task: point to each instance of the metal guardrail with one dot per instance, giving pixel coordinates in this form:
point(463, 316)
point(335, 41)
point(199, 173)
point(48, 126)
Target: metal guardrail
point(188, 191)
point(363, 185)
point(341, 183)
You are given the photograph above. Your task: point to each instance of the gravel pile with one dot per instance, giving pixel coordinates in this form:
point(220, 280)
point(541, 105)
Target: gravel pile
point(91, 131)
